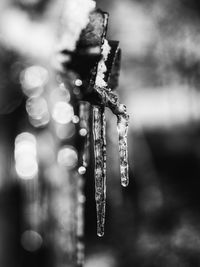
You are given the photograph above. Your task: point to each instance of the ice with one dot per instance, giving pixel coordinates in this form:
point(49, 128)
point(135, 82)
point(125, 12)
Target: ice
point(122, 127)
point(99, 133)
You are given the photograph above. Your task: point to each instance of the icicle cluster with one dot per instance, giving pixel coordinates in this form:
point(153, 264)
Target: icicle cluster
point(110, 100)
point(74, 20)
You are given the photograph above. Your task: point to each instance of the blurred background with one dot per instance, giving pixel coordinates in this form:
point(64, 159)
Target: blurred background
point(155, 221)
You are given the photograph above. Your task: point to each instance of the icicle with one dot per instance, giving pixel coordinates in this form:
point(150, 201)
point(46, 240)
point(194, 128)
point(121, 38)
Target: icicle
point(111, 100)
point(84, 114)
point(122, 127)
point(99, 126)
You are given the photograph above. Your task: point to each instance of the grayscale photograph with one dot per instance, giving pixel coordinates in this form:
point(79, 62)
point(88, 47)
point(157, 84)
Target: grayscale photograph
point(99, 133)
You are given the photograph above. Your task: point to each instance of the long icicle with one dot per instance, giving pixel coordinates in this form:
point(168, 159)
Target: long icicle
point(122, 127)
point(99, 128)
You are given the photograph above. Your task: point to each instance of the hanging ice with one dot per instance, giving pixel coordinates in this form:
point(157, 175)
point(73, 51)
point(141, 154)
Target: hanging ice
point(102, 75)
point(99, 127)
point(122, 127)
point(111, 100)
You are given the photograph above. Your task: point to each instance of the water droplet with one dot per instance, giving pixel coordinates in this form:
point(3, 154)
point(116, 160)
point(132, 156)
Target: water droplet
point(83, 132)
point(81, 170)
point(78, 82)
point(75, 119)
point(100, 232)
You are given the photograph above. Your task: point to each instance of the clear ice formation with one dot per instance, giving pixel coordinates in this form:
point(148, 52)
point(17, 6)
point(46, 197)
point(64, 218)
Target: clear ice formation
point(111, 100)
point(122, 128)
point(99, 133)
